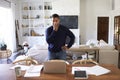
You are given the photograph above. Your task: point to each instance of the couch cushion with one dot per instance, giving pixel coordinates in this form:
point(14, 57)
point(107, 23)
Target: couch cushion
point(95, 42)
point(41, 55)
point(105, 46)
point(102, 43)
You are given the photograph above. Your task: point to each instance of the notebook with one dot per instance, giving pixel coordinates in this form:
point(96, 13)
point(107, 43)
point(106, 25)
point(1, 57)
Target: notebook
point(54, 66)
point(80, 75)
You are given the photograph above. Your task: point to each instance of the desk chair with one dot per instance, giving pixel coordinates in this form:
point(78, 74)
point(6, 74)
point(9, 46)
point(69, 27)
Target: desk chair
point(85, 61)
point(27, 61)
point(57, 60)
point(55, 66)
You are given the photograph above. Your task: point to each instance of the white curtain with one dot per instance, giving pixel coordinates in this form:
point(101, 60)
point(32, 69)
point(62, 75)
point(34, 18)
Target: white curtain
point(12, 41)
point(7, 26)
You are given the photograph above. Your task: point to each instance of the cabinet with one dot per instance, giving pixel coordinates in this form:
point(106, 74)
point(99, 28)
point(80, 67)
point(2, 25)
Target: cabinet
point(34, 19)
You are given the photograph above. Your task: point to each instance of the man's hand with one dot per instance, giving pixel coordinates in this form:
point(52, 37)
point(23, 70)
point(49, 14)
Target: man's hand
point(55, 28)
point(65, 48)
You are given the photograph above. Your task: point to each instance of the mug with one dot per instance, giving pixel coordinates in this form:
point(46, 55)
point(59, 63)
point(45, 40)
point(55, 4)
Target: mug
point(18, 71)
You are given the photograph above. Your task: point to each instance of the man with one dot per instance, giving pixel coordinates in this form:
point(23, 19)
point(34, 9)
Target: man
point(56, 38)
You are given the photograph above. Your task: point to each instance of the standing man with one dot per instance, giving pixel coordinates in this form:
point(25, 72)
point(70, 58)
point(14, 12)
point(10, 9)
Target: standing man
point(56, 38)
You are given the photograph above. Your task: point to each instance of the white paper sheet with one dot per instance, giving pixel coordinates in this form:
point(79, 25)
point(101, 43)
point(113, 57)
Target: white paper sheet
point(33, 71)
point(95, 70)
point(98, 70)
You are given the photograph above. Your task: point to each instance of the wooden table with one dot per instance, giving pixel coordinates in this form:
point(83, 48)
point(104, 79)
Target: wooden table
point(7, 74)
point(85, 49)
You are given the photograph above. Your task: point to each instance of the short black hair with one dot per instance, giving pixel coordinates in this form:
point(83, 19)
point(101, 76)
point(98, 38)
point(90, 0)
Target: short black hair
point(55, 16)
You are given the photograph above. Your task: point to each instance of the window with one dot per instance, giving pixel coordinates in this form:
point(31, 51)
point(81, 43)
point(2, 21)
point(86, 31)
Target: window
point(7, 31)
point(117, 31)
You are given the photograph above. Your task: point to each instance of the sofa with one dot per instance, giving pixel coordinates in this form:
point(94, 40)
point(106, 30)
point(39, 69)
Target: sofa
point(107, 53)
point(39, 53)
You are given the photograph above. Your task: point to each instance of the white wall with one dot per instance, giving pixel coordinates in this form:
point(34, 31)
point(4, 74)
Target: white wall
point(66, 7)
point(76, 33)
point(117, 4)
point(90, 10)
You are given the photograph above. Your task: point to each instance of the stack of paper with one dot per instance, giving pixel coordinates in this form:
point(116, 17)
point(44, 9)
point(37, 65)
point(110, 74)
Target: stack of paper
point(95, 70)
point(98, 70)
point(33, 71)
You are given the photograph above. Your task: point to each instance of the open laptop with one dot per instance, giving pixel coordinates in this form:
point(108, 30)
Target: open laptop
point(55, 66)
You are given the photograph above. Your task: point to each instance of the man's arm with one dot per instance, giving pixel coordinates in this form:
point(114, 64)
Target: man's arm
point(50, 35)
point(72, 38)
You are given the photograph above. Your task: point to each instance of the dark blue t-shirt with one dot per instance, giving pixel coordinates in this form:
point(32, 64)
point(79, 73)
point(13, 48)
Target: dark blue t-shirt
point(57, 39)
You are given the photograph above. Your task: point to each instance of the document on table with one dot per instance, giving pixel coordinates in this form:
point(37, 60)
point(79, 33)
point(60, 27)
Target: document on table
point(94, 70)
point(99, 70)
point(33, 71)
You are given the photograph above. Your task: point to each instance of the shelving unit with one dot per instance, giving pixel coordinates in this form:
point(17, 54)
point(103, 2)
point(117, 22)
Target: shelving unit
point(47, 11)
point(34, 19)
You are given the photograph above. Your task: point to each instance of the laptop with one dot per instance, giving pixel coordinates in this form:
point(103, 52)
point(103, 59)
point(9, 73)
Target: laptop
point(54, 66)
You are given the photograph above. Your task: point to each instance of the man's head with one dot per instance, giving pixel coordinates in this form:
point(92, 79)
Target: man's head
point(55, 20)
